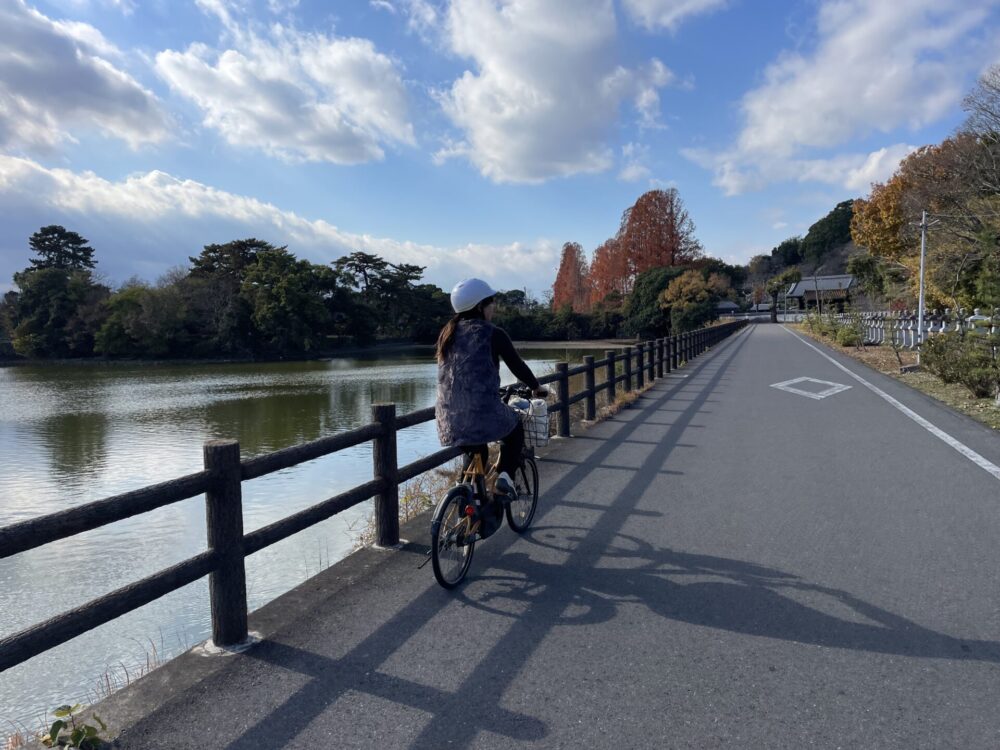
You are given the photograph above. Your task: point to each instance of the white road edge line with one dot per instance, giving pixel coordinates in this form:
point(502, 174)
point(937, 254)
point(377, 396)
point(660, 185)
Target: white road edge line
point(965, 450)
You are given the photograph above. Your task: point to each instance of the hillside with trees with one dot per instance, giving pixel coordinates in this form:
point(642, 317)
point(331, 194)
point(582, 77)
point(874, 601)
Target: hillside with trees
point(957, 182)
point(877, 239)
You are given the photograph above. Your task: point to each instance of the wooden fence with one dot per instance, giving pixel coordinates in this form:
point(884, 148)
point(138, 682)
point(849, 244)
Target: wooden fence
point(221, 483)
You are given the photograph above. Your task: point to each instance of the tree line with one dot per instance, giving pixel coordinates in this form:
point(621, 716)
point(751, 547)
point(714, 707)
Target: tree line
point(250, 299)
point(242, 299)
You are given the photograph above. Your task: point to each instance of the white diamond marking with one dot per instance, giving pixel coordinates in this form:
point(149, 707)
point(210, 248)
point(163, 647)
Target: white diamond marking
point(833, 389)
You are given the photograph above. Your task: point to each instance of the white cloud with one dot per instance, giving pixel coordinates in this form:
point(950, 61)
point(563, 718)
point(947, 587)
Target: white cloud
point(545, 94)
point(126, 7)
point(422, 17)
point(633, 172)
point(174, 217)
point(634, 169)
point(298, 96)
point(88, 38)
point(55, 81)
point(874, 69)
point(668, 14)
point(279, 7)
point(735, 174)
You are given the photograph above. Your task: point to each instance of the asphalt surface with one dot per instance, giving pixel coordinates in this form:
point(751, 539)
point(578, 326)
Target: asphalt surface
point(725, 564)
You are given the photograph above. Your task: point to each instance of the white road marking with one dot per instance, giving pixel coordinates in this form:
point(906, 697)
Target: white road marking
point(965, 450)
point(833, 389)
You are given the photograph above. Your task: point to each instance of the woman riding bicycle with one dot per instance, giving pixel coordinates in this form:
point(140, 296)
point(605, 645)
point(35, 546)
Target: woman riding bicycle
point(469, 411)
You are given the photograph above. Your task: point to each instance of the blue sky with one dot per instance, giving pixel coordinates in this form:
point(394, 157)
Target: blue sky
point(473, 137)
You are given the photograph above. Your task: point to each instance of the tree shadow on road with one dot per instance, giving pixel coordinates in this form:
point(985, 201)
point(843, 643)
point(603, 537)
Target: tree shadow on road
point(717, 592)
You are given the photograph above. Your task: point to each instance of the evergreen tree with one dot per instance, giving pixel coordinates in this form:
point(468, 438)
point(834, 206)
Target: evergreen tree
point(832, 231)
point(58, 248)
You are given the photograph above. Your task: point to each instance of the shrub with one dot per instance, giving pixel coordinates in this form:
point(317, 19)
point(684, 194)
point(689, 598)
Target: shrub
point(977, 370)
point(981, 381)
point(961, 359)
point(941, 354)
point(848, 336)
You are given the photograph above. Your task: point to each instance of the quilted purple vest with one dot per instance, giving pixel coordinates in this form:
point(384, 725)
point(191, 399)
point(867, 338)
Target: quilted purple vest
point(469, 411)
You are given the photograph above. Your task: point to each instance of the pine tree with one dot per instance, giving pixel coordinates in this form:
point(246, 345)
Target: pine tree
point(58, 248)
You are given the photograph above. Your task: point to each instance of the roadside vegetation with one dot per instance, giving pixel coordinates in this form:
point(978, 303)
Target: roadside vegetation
point(957, 371)
point(957, 184)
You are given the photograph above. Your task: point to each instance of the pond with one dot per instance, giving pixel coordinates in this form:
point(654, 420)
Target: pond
point(71, 434)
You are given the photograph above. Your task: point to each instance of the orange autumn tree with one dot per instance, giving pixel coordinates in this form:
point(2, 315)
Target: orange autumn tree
point(658, 231)
point(572, 286)
point(608, 272)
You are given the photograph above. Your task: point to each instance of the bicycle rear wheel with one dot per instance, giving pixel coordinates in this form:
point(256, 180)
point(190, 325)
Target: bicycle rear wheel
point(521, 511)
point(452, 544)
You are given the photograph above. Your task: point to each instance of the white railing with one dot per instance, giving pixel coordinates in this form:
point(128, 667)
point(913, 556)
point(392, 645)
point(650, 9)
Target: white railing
point(902, 327)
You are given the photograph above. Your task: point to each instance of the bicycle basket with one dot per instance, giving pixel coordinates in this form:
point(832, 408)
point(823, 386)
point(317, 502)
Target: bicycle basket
point(536, 424)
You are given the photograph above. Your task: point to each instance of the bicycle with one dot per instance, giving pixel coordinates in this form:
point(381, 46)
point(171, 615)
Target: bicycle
point(470, 511)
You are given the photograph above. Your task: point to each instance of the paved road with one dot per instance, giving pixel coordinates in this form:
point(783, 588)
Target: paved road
point(726, 564)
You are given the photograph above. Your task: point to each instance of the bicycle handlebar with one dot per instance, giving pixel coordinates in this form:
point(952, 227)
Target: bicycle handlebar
point(516, 389)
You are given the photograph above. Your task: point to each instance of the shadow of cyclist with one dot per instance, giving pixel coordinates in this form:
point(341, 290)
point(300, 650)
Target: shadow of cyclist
point(711, 591)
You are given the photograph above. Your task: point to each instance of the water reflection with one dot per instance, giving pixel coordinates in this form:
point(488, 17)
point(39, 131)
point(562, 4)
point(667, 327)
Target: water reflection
point(77, 443)
point(73, 434)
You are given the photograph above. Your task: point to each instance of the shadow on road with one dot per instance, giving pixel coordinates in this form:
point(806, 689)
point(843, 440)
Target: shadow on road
point(717, 592)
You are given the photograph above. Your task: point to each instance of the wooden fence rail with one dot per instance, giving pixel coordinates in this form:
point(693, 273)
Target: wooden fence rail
point(221, 483)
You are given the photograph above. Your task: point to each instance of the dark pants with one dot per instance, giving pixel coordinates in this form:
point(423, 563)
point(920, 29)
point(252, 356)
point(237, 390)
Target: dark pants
point(511, 448)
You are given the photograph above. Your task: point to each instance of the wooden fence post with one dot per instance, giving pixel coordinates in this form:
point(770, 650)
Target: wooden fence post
point(384, 467)
point(673, 352)
point(563, 369)
point(651, 359)
point(640, 374)
point(659, 358)
point(227, 584)
point(611, 375)
point(590, 404)
point(628, 368)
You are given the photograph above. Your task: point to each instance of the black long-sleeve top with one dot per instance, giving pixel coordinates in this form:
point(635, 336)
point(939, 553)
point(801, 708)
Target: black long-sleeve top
point(503, 348)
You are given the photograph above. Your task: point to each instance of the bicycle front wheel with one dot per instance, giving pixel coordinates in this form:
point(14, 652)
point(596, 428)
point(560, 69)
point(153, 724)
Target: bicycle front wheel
point(521, 511)
point(452, 540)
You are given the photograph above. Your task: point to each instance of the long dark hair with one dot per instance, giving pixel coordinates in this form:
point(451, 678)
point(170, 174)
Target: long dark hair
point(447, 336)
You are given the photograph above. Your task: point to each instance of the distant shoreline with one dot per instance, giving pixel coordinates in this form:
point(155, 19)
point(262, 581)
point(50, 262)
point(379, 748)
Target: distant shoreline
point(332, 354)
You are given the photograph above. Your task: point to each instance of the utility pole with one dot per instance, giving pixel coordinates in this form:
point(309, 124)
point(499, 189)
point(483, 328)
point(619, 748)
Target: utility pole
point(920, 299)
point(924, 224)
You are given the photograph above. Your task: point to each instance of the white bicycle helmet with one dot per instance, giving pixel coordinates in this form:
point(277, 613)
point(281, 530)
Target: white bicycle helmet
point(468, 293)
